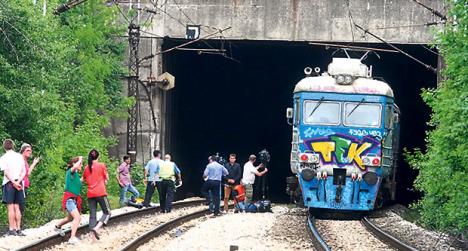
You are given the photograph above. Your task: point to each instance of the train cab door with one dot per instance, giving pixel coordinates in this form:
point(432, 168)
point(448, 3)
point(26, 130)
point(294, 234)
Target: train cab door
point(388, 154)
point(395, 146)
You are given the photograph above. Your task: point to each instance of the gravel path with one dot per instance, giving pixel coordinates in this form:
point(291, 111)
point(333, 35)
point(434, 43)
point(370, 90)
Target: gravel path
point(284, 229)
point(391, 222)
point(348, 235)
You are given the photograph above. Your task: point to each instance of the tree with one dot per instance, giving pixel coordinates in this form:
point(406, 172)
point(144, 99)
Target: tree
point(59, 87)
point(443, 166)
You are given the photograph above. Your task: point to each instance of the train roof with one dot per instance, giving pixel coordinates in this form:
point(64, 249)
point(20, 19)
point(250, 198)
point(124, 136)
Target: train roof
point(358, 86)
point(344, 75)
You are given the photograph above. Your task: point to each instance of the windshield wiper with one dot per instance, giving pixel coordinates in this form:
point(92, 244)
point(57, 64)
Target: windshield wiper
point(360, 102)
point(316, 106)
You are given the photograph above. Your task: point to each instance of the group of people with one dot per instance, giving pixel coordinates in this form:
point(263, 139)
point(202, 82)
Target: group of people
point(16, 172)
point(162, 175)
point(216, 174)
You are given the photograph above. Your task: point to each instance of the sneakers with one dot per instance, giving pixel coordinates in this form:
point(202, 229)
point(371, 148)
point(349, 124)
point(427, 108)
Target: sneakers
point(20, 233)
point(74, 241)
point(59, 230)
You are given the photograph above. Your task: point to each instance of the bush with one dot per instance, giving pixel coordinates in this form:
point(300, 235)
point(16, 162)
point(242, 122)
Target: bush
point(443, 167)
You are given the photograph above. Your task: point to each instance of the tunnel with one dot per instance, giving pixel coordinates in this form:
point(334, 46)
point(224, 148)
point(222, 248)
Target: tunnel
point(234, 101)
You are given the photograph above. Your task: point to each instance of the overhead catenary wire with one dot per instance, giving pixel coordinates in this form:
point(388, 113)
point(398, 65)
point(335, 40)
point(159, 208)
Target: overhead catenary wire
point(396, 48)
point(435, 12)
point(361, 48)
point(410, 25)
point(351, 19)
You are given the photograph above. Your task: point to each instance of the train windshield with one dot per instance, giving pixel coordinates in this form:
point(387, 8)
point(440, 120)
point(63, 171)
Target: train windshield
point(362, 114)
point(321, 112)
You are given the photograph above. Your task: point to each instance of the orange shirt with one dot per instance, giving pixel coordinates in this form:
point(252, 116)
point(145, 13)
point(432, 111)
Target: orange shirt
point(96, 180)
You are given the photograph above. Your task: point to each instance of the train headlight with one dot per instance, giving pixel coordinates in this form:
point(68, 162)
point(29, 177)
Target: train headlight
point(307, 174)
point(348, 79)
point(375, 162)
point(371, 160)
point(309, 158)
point(314, 158)
point(366, 161)
point(340, 79)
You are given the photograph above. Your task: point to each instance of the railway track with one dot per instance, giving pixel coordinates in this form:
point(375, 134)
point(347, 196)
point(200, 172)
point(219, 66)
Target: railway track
point(392, 242)
point(57, 239)
point(161, 229)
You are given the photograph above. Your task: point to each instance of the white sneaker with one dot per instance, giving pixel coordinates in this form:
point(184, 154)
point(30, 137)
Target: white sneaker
point(74, 241)
point(59, 231)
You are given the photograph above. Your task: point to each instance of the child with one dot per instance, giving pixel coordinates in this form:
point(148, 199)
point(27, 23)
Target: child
point(71, 201)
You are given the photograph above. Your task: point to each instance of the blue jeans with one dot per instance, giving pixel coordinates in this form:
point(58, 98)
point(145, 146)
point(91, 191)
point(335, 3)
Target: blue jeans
point(123, 193)
point(212, 191)
point(211, 205)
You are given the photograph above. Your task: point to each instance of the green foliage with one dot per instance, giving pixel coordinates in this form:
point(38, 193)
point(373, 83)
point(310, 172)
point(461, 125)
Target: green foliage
point(59, 87)
point(443, 167)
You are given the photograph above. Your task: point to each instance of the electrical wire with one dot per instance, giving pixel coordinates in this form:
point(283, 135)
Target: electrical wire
point(351, 19)
point(396, 48)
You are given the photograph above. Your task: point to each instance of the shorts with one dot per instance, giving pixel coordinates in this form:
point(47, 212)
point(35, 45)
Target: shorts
point(71, 205)
point(11, 195)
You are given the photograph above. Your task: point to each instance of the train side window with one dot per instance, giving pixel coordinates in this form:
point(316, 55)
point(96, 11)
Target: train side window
point(388, 117)
point(297, 114)
point(321, 112)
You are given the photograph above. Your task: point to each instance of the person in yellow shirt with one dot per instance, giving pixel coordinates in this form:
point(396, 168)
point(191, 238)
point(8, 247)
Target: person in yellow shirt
point(167, 172)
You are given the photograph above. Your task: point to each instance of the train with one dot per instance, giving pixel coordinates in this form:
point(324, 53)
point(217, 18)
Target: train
point(345, 138)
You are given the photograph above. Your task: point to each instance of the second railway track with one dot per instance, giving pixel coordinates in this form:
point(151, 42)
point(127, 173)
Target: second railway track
point(120, 229)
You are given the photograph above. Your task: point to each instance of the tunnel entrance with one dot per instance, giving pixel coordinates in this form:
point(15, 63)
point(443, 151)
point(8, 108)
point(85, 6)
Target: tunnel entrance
point(237, 105)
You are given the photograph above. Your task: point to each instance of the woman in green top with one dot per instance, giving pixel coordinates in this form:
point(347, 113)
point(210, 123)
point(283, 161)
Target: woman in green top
point(71, 201)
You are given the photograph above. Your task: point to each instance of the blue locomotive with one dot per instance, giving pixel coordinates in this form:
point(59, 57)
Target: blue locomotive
point(345, 131)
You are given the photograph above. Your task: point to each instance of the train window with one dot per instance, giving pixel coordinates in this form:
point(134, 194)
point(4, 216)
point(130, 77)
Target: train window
point(388, 116)
point(362, 114)
point(321, 112)
point(296, 111)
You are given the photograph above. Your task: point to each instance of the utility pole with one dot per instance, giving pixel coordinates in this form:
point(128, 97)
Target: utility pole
point(133, 78)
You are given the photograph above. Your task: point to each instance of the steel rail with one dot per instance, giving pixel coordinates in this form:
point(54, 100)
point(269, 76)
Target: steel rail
point(146, 237)
point(385, 237)
point(317, 240)
point(56, 239)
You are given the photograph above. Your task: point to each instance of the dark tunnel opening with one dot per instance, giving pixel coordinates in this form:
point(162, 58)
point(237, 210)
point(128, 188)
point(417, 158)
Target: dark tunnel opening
point(238, 106)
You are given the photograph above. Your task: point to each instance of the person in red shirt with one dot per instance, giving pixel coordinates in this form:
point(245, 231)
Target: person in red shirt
point(96, 177)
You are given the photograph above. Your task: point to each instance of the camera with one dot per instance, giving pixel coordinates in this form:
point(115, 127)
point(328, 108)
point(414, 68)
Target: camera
point(264, 156)
point(220, 159)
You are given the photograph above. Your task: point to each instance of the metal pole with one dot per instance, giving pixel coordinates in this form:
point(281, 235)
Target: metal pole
point(133, 68)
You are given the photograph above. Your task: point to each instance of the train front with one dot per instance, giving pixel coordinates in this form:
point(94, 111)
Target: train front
point(341, 147)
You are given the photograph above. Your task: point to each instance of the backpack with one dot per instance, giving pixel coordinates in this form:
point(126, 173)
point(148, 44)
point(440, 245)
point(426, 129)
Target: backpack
point(264, 206)
point(251, 208)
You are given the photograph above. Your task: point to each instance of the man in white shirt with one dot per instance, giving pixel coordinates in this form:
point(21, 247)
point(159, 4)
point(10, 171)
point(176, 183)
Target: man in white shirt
point(12, 165)
point(248, 177)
